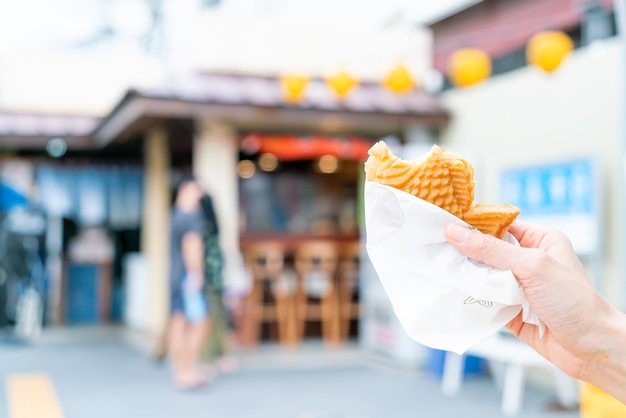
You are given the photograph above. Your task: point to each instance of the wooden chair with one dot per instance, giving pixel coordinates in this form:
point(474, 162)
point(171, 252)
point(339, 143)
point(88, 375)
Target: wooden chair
point(348, 285)
point(316, 295)
point(269, 300)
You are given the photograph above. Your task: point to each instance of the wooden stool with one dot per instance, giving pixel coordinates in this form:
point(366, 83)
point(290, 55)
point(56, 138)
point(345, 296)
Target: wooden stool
point(316, 294)
point(269, 300)
point(347, 285)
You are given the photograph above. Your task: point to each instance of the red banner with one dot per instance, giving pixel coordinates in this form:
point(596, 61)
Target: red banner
point(293, 148)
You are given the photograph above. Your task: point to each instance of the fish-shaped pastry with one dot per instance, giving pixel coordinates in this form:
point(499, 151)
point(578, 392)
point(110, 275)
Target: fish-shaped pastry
point(442, 178)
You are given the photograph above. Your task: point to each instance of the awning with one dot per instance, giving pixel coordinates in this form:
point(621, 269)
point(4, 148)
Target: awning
point(21, 130)
point(255, 103)
point(245, 102)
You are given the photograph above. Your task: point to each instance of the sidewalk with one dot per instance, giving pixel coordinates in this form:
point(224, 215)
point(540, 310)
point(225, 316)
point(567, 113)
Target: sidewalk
point(98, 373)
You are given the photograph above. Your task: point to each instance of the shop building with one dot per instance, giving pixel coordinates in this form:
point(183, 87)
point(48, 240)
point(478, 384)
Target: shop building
point(277, 170)
point(92, 201)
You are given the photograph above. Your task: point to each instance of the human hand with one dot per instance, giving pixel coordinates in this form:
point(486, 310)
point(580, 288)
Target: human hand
point(558, 290)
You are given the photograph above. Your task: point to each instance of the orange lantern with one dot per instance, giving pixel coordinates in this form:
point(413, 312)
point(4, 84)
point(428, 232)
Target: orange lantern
point(399, 80)
point(294, 86)
point(341, 84)
point(547, 50)
point(468, 66)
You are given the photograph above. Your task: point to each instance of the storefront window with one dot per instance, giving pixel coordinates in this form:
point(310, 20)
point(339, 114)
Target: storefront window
point(299, 199)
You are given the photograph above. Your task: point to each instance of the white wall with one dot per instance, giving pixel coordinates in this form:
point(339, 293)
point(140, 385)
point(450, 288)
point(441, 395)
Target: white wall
point(527, 117)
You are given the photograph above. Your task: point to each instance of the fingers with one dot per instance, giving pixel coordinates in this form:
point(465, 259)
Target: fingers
point(515, 324)
point(525, 332)
point(552, 241)
point(528, 235)
point(486, 248)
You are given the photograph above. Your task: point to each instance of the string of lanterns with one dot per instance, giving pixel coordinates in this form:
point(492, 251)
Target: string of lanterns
point(466, 66)
point(545, 50)
point(293, 86)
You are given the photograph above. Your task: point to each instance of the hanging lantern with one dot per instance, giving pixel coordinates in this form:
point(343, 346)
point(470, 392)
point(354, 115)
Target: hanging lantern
point(547, 50)
point(468, 66)
point(341, 84)
point(293, 87)
point(399, 80)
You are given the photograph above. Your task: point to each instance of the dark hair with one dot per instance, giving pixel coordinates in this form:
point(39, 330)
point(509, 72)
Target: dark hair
point(179, 182)
point(208, 212)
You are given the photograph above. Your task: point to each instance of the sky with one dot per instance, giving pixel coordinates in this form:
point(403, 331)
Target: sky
point(51, 51)
point(367, 12)
point(31, 25)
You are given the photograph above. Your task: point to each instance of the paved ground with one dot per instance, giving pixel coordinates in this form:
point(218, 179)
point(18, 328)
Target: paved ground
point(102, 374)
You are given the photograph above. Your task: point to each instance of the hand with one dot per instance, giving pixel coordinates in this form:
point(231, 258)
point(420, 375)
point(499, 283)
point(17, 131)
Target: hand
point(558, 290)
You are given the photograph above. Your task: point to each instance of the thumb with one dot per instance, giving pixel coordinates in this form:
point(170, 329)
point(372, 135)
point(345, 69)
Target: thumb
point(485, 248)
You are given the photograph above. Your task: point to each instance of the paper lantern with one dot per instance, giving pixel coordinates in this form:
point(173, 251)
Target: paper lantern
point(546, 50)
point(468, 66)
point(341, 84)
point(294, 87)
point(399, 80)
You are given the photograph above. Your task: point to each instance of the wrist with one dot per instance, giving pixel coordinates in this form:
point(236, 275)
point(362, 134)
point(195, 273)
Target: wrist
point(607, 370)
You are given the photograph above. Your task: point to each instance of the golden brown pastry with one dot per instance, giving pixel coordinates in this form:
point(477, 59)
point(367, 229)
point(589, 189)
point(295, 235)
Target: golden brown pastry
point(441, 178)
point(491, 219)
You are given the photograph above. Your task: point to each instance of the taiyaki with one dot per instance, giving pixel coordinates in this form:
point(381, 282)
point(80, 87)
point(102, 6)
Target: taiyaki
point(442, 178)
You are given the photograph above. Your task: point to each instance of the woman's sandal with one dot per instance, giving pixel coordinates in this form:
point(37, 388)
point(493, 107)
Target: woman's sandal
point(192, 384)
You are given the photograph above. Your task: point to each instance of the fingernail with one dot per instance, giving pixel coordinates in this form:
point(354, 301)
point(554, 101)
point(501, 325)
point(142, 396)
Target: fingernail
point(458, 233)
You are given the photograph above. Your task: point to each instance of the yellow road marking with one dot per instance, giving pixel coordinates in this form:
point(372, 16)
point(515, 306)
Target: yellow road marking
point(32, 396)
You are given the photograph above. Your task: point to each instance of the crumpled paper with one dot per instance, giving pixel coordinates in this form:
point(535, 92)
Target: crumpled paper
point(442, 299)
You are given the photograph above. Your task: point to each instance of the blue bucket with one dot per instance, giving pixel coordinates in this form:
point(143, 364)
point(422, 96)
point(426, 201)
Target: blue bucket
point(473, 366)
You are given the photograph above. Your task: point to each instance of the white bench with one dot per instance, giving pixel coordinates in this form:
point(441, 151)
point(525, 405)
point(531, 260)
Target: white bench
point(515, 356)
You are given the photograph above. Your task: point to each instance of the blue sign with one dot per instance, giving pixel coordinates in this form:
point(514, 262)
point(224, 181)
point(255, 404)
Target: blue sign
point(563, 195)
point(555, 189)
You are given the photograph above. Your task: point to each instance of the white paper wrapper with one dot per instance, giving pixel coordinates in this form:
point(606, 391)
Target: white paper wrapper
point(443, 299)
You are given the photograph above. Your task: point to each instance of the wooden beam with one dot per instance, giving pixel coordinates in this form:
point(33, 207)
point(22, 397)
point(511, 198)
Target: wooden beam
point(35, 143)
point(127, 116)
point(292, 118)
point(122, 118)
point(155, 225)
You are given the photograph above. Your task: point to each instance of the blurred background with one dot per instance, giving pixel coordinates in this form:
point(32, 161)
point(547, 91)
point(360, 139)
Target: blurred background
point(272, 106)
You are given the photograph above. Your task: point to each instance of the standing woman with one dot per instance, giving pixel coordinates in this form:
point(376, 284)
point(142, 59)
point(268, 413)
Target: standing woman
point(189, 318)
